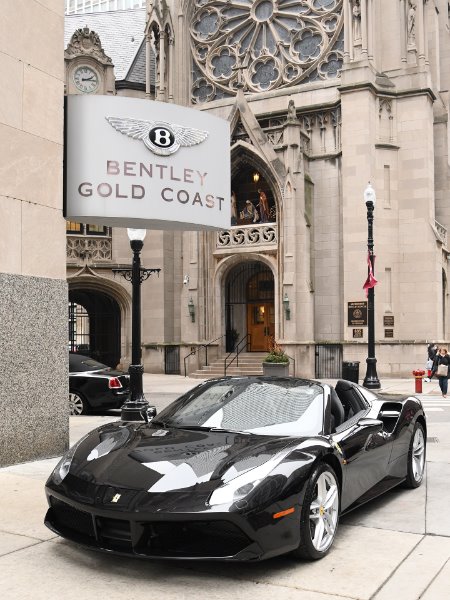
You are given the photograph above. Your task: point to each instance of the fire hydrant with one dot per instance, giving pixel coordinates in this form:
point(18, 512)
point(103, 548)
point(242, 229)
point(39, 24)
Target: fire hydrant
point(418, 374)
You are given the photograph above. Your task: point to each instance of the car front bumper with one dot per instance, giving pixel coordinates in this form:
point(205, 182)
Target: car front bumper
point(206, 535)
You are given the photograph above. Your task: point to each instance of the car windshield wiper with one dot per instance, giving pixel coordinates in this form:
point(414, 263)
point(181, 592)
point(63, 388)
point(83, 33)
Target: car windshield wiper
point(197, 427)
point(230, 430)
point(220, 429)
point(166, 424)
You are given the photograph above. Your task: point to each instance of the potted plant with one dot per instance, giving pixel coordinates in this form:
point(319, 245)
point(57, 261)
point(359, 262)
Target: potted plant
point(276, 362)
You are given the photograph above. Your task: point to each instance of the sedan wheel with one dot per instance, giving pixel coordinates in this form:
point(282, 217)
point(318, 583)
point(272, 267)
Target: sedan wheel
point(320, 513)
point(416, 458)
point(77, 406)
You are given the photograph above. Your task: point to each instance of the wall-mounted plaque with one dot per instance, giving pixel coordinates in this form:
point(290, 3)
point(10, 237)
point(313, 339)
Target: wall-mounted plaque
point(358, 333)
point(357, 314)
point(388, 333)
point(388, 320)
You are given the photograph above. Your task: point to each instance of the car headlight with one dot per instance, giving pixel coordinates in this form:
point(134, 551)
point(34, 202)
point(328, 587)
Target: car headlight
point(61, 470)
point(242, 485)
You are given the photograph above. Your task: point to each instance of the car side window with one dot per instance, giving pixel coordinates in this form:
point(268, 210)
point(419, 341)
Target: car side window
point(352, 421)
point(351, 400)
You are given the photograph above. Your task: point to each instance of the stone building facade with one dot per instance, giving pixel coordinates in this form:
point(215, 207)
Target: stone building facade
point(322, 96)
point(34, 418)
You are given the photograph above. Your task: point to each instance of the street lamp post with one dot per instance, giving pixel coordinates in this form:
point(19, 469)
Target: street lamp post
point(371, 380)
point(137, 407)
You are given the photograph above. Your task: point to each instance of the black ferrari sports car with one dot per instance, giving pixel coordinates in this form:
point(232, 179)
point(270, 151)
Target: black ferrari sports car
point(95, 386)
point(239, 468)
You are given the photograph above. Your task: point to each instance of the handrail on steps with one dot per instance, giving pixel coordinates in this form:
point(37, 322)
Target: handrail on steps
point(198, 348)
point(293, 360)
point(248, 341)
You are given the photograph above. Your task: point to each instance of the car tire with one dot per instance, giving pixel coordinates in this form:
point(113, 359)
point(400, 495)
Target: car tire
point(319, 518)
point(416, 458)
point(77, 404)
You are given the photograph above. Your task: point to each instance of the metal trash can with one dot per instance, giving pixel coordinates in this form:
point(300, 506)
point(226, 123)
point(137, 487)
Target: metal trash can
point(350, 371)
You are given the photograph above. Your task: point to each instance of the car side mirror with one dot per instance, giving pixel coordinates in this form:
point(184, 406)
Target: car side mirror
point(367, 422)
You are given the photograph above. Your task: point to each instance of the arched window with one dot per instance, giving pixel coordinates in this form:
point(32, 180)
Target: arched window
point(252, 201)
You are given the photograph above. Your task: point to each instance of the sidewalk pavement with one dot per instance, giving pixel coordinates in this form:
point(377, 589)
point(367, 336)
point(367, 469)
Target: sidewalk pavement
point(396, 546)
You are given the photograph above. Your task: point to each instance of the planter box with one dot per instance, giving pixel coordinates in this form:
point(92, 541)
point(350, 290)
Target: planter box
point(276, 369)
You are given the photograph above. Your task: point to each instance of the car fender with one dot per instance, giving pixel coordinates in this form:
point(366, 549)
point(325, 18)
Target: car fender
point(301, 462)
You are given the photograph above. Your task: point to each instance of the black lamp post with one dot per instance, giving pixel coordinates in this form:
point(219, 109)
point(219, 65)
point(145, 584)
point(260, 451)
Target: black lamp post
point(371, 380)
point(137, 407)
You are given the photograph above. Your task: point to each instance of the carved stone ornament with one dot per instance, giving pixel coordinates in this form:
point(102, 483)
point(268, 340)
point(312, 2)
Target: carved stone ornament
point(89, 249)
point(261, 45)
point(85, 42)
point(249, 236)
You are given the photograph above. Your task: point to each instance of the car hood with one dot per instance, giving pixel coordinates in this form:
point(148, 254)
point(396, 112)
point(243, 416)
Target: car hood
point(156, 459)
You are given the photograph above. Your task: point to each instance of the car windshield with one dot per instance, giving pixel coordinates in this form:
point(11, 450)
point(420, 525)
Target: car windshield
point(290, 407)
point(78, 362)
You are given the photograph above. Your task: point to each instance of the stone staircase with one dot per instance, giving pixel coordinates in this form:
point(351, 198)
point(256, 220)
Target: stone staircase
point(250, 363)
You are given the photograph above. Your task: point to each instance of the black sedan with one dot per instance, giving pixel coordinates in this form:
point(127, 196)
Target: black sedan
point(94, 386)
point(239, 468)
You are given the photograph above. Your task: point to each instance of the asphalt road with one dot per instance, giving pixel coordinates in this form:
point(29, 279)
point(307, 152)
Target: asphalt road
point(437, 409)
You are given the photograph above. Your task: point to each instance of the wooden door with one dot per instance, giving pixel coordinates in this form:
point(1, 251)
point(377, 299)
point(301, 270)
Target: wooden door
point(260, 325)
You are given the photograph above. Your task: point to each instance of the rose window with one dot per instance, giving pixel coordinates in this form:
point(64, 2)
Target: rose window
point(261, 45)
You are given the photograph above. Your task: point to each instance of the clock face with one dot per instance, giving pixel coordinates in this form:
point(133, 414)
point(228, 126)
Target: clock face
point(86, 79)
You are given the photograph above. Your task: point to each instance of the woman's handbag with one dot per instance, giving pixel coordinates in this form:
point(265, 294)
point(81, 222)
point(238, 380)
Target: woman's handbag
point(442, 371)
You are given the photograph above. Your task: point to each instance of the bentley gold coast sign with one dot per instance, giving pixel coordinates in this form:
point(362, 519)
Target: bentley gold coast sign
point(144, 164)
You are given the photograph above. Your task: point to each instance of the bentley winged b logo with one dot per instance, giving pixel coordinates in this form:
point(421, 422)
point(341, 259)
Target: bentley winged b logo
point(160, 137)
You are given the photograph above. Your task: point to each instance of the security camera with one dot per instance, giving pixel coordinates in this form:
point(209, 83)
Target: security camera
point(186, 280)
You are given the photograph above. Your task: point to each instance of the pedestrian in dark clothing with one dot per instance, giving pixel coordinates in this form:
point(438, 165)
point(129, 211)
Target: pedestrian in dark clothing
point(432, 351)
point(441, 366)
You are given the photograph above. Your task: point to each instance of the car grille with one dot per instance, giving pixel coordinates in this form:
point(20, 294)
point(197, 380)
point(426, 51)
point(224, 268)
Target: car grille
point(69, 519)
point(176, 539)
point(192, 538)
point(114, 534)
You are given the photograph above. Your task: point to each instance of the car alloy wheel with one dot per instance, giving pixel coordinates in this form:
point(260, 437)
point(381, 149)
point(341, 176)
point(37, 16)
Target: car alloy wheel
point(77, 405)
point(323, 512)
point(320, 513)
point(416, 458)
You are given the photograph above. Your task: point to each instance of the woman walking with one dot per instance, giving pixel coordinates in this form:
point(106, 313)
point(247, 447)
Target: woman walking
point(440, 369)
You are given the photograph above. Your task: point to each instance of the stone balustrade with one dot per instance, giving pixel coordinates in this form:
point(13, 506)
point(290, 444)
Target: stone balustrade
point(250, 236)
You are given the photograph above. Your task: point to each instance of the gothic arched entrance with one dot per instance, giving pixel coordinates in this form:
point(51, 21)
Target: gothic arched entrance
point(94, 325)
point(249, 305)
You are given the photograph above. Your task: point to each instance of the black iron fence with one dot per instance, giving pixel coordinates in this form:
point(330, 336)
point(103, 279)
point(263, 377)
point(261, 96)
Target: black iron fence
point(172, 360)
point(328, 363)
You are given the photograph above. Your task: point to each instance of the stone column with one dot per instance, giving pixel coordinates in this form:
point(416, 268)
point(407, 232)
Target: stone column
point(364, 23)
point(147, 67)
point(162, 65)
point(420, 31)
point(171, 69)
point(403, 27)
point(296, 247)
point(348, 33)
point(371, 29)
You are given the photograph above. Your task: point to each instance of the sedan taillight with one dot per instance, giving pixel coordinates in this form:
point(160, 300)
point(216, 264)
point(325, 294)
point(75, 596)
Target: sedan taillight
point(114, 383)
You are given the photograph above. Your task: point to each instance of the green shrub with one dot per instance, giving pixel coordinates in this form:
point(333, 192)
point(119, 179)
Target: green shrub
point(276, 354)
